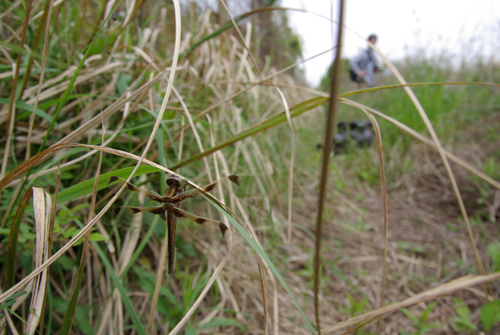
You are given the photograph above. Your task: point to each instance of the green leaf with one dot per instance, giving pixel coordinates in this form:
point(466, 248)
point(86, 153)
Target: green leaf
point(147, 281)
point(427, 311)
point(86, 187)
point(11, 300)
point(69, 232)
point(195, 293)
point(222, 322)
point(429, 326)
point(494, 250)
point(81, 315)
point(78, 207)
point(63, 214)
point(351, 299)
point(65, 262)
point(490, 314)
point(96, 237)
point(462, 309)
point(410, 316)
point(186, 248)
point(28, 236)
point(459, 324)
point(189, 330)
point(81, 318)
point(123, 82)
point(27, 107)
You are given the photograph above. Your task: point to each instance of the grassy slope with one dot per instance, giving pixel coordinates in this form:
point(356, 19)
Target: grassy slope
point(428, 241)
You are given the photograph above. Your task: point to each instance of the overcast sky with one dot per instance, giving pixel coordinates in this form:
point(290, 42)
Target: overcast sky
point(458, 27)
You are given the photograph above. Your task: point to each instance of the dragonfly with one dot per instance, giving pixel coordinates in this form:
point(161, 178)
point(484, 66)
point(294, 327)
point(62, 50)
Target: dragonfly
point(168, 209)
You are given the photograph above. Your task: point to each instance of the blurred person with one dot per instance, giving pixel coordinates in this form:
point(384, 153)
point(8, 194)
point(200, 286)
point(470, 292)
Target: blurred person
point(363, 66)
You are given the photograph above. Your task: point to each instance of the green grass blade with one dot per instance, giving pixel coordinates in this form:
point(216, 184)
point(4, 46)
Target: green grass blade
point(27, 107)
point(10, 263)
point(209, 36)
point(267, 124)
point(86, 187)
point(69, 316)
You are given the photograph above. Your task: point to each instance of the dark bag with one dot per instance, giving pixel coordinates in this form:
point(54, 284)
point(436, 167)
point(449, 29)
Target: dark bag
point(354, 76)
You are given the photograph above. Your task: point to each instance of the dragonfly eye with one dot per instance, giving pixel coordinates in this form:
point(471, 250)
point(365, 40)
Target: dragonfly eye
point(173, 181)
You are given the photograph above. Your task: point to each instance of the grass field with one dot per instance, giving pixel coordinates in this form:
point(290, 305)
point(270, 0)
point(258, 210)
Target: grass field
point(198, 99)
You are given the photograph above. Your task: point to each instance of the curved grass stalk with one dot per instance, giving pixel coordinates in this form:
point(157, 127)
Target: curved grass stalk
point(442, 290)
point(383, 191)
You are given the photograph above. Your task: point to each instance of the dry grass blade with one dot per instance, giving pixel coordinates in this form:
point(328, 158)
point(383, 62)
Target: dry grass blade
point(325, 163)
point(62, 87)
point(425, 141)
point(386, 87)
point(34, 17)
point(113, 108)
point(163, 107)
point(248, 226)
point(65, 88)
point(383, 191)
point(159, 281)
point(442, 290)
point(50, 238)
point(42, 205)
point(223, 3)
point(195, 133)
point(292, 160)
point(440, 149)
point(129, 246)
point(12, 327)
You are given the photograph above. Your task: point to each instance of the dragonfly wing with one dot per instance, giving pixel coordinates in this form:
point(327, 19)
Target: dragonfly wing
point(160, 211)
point(180, 213)
point(208, 188)
point(150, 194)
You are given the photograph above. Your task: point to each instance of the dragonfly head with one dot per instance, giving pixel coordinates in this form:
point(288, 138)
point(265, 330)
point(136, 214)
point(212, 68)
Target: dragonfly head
point(174, 181)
